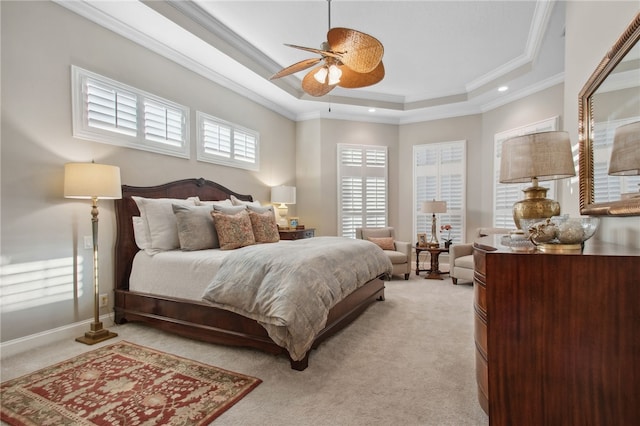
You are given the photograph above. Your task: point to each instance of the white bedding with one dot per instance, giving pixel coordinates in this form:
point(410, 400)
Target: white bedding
point(175, 273)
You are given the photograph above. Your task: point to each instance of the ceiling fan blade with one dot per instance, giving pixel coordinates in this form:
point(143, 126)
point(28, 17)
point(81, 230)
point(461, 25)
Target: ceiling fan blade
point(312, 87)
point(312, 50)
point(351, 79)
point(299, 66)
point(359, 51)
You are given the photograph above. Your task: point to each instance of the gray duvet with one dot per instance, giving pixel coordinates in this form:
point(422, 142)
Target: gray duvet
point(289, 287)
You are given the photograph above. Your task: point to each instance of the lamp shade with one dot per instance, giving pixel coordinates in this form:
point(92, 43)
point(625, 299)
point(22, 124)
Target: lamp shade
point(434, 207)
point(625, 154)
point(283, 194)
point(544, 156)
point(89, 180)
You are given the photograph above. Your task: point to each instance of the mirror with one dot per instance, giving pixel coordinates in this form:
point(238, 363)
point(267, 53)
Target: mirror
point(609, 99)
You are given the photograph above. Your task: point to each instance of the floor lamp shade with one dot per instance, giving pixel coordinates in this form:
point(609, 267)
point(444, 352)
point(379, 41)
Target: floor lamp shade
point(625, 154)
point(532, 158)
point(93, 181)
point(89, 180)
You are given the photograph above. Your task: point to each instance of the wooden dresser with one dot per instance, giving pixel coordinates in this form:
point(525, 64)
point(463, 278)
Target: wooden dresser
point(557, 335)
point(296, 234)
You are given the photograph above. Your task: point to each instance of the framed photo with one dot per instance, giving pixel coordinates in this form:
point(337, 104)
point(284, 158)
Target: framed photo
point(422, 240)
point(293, 222)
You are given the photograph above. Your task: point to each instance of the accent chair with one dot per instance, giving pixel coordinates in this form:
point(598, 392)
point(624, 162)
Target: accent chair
point(461, 256)
point(399, 252)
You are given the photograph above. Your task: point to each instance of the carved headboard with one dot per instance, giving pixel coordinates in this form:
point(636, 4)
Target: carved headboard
point(126, 209)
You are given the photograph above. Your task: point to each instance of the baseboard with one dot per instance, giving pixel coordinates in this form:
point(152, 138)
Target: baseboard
point(66, 332)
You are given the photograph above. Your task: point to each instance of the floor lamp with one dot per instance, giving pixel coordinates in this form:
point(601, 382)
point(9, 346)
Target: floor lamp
point(93, 181)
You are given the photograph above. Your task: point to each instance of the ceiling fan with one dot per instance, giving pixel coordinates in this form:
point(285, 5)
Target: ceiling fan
point(349, 58)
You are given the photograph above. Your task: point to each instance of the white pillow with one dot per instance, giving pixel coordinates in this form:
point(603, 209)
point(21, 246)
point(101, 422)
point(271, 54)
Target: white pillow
point(140, 233)
point(162, 228)
point(239, 202)
point(221, 203)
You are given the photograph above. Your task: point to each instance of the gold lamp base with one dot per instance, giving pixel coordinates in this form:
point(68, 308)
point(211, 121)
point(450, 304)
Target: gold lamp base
point(560, 248)
point(96, 335)
point(535, 205)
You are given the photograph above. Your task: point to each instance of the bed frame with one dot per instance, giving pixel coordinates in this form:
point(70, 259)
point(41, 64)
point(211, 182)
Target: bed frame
point(198, 320)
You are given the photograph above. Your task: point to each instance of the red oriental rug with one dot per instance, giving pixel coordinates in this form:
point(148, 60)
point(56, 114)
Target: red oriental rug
point(123, 384)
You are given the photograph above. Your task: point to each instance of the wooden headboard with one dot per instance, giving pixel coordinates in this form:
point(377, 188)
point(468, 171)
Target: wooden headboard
point(126, 209)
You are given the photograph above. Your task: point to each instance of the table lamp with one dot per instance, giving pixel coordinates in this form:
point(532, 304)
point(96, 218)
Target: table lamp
point(625, 154)
point(93, 181)
point(532, 158)
point(433, 207)
point(283, 195)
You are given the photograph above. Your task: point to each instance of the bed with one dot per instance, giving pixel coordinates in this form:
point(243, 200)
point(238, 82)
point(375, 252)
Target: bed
point(198, 319)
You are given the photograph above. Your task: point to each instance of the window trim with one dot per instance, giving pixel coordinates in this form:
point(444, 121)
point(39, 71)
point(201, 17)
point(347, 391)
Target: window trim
point(82, 130)
point(203, 156)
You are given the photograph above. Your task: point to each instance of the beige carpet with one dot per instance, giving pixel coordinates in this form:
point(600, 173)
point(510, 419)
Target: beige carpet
point(406, 361)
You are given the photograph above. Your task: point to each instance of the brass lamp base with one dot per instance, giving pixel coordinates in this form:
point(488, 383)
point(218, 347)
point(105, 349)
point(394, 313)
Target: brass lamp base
point(560, 248)
point(535, 205)
point(96, 335)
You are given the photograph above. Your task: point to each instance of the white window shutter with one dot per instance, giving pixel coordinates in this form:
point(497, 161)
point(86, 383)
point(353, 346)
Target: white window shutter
point(362, 192)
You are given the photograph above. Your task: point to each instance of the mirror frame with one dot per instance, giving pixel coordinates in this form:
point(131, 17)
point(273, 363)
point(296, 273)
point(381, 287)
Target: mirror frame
point(628, 207)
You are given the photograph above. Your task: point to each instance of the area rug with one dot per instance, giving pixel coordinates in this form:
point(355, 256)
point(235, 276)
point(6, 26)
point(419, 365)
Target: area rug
point(123, 384)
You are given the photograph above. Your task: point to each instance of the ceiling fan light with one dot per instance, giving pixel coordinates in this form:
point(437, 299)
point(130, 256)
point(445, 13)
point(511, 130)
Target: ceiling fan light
point(334, 75)
point(321, 75)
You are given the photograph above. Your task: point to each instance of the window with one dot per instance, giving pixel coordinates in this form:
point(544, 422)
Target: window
point(506, 194)
point(439, 171)
point(362, 188)
point(107, 111)
point(224, 143)
point(609, 188)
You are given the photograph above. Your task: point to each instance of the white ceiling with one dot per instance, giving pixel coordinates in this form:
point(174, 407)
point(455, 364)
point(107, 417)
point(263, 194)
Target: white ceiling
point(442, 58)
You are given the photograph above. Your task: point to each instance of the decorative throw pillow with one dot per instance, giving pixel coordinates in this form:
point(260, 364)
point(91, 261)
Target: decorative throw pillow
point(385, 243)
point(196, 230)
point(264, 227)
point(238, 202)
point(234, 230)
point(229, 209)
point(262, 209)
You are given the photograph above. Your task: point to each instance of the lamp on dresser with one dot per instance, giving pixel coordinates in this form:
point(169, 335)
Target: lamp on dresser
point(433, 207)
point(625, 153)
point(283, 195)
point(93, 181)
point(532, 158)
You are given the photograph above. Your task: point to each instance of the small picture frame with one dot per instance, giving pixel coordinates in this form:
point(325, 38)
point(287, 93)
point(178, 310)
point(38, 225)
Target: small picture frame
point(422, 240)
point(293, 222)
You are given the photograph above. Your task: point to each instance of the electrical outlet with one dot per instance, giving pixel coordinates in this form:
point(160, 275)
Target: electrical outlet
point(104, 300)
point(88, 242)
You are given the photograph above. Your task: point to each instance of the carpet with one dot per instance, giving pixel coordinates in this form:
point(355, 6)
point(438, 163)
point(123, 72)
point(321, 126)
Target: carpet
point(123, 384)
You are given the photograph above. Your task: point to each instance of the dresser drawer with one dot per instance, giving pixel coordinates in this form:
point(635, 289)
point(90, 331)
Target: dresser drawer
point(480, 335)
point(480, 297)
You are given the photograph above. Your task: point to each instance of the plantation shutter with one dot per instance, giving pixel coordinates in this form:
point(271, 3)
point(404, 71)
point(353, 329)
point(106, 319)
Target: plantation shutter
point(440, 174)
point(109, 108)
point(163, 124)
point(362, 192)
point(225, 143)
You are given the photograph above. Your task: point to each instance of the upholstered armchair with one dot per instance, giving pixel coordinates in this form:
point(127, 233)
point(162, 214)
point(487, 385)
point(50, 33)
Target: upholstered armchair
point(461, 256)
point(399, 252)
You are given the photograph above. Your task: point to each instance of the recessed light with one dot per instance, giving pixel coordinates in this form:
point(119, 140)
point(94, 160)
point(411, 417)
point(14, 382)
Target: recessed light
point(503, 88)
point(372, 110)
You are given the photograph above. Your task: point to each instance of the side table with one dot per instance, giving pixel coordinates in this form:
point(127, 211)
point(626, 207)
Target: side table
point(296, 234)
point(434, 272)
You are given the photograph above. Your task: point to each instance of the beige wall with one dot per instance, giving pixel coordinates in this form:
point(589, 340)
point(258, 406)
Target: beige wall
point(317, 153)
point(40, 41)
point(591, 30)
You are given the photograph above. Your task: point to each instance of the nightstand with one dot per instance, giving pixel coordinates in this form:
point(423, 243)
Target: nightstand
point(296, 234)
